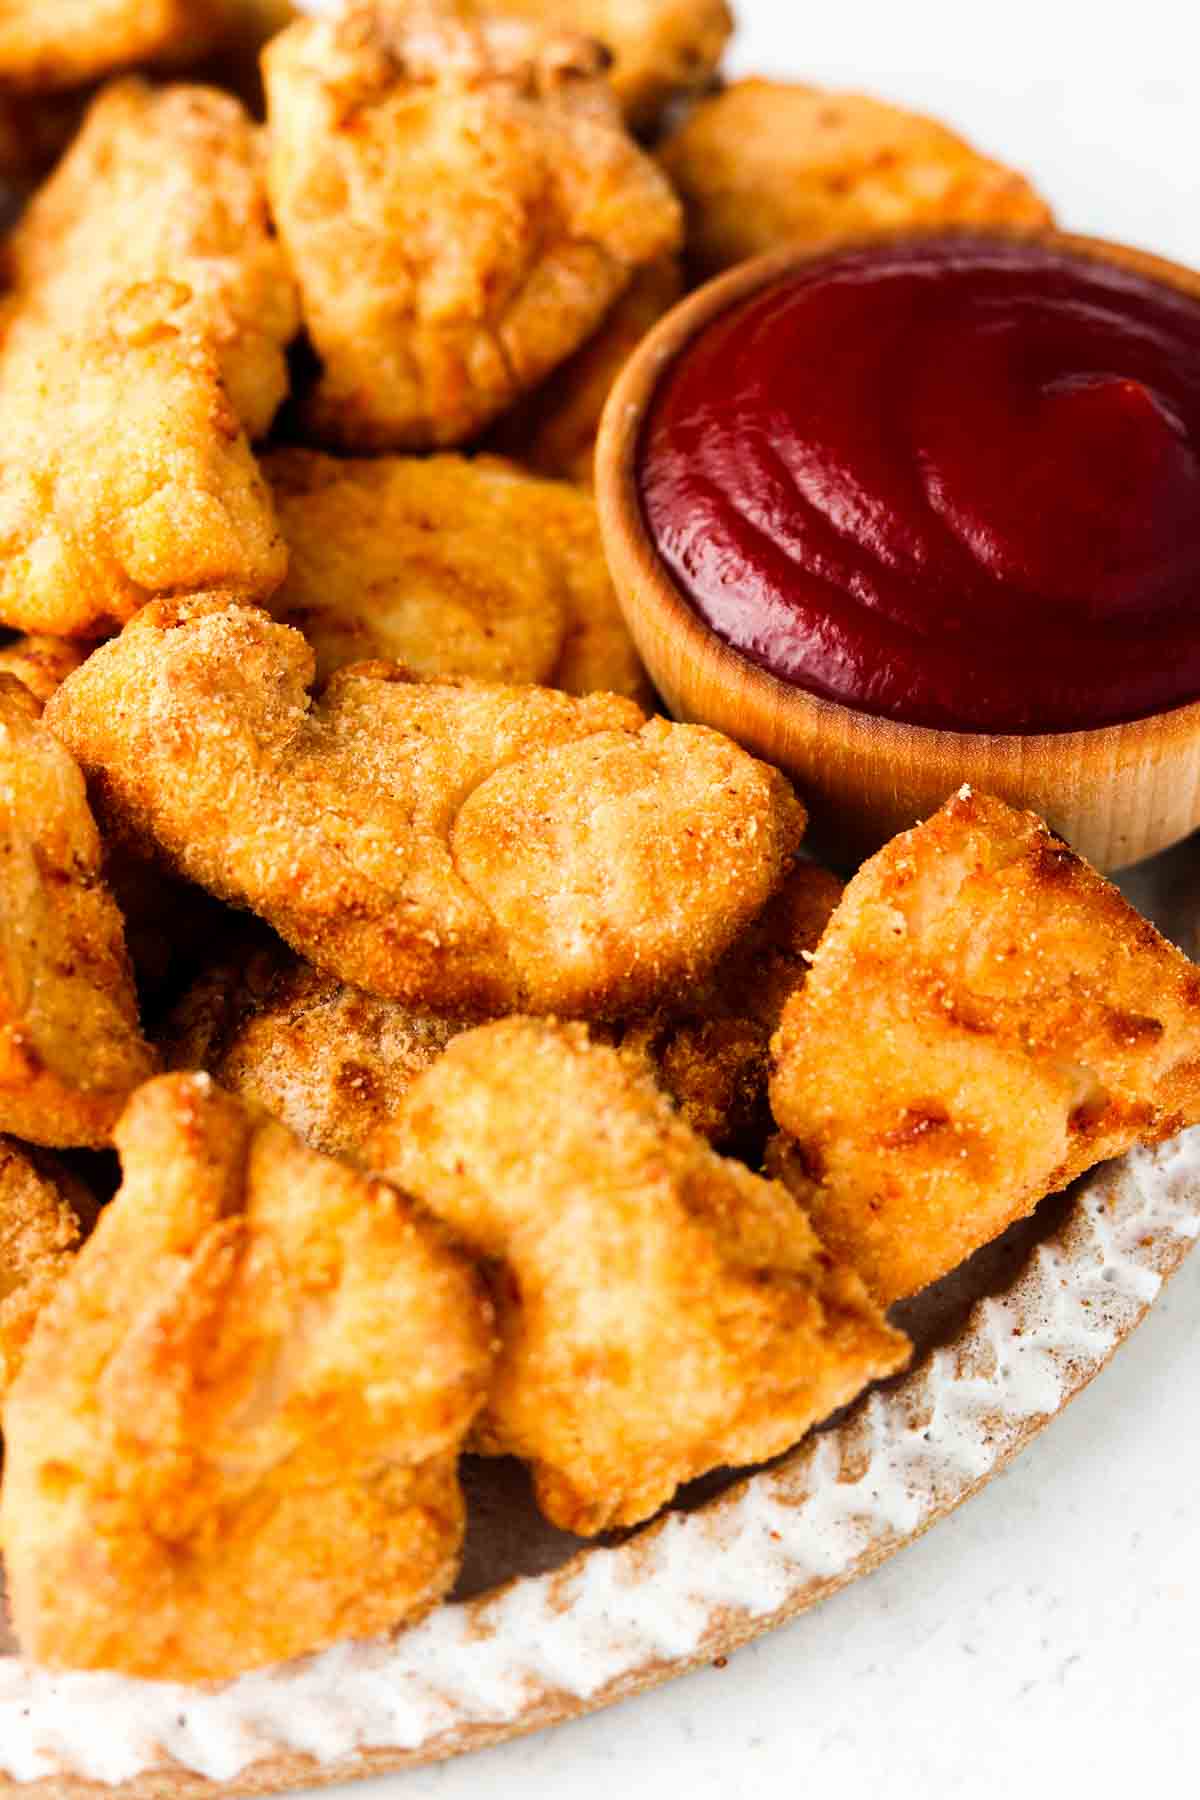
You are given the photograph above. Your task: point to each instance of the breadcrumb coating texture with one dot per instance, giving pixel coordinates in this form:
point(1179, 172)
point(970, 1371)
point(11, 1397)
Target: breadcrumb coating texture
point(167, 184)
point(985, 1018)
point(461, 204)
point(554, 430)
point(661, 1311)
point(452, 566)
point(238, 1421)
point(458, 845)
point(768, 163)
point(71, 1049)
point(147, 287)
point(43, 1210)
point(329, 1061)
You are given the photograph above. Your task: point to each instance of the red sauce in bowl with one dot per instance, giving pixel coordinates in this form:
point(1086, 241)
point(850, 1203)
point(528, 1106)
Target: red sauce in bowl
point(953, 481)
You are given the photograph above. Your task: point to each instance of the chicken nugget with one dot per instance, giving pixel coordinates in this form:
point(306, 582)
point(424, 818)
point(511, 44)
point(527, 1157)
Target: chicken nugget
point(455, 845)
point(70, 1047)
point(985, 1018)
point(767, 163)
point(50, 44)
point(452, 567)
point(661, 1311)
point(167, 184)
point(239, 1416)
point(43, 1209)
point(660, 49)
point(461, 204)
point(42, 664)
point(95, 520)
point(712, 1053)
point(329, 1061)
point(554, 430)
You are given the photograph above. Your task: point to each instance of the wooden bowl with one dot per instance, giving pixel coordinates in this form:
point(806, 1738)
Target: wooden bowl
point(1118, 793)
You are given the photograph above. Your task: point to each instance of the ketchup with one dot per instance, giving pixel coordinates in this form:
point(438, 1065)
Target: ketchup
point(953, 481)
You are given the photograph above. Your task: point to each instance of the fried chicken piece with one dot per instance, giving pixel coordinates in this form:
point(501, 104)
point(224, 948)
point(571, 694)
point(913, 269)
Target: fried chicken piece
point(334, 1064)
point(457, 845)
point(95, 519)
point(766, 163)
point(43, 1208)
point(985, 1019)
point(661, 1310)
point(167, 184)
point(239, 1416)
point(147, 290)
point(462, 205)
point(554, 431)
point(452, 567)
point(42, 664)
point(660, 49)
point(51, 44)
point(712, 1054)
point(329, 1061)
point(70, 1047)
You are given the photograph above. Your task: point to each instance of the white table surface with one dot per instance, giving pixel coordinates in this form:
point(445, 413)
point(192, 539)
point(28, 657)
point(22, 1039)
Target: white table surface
point(1043, 1641)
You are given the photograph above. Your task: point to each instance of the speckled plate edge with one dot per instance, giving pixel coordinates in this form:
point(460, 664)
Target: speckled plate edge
point(615, 1621)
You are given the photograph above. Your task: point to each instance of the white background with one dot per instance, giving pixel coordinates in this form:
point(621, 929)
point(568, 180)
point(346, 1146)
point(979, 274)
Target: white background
point(1044, 1641)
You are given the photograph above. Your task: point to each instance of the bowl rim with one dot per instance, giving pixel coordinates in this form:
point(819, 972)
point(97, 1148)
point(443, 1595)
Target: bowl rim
point(628, 539)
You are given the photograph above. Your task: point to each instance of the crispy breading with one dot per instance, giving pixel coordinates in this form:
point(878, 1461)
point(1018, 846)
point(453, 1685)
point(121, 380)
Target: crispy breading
point(985, 1018)
point(333, 1063)
point(554, 430)
point(710, 1052)
point(167, 184)
point(661, 1311)
point(328, 1060)
point(70, 1047)
point(452, 567)
point(462, 205)
point(660, 49)
point(239, 1415)
point(95, 520)
point(767, 163)
point(43, 1209)
point(148, 289)
point(457, 845)
point(42, 664)
point(48, 44)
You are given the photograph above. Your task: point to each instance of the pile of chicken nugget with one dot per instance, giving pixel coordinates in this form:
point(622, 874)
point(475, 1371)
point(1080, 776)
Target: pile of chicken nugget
point(487, 1068)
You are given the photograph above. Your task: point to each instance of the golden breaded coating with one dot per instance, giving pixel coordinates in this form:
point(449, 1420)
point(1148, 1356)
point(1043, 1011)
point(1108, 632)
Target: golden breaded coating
point(167, 184)
point(711, 1052)
point(147, 289)
point(661, 1310)
point(457, 845)
point(767, 163)
point(42, 664)
point(95, 516)
point(660, 49)
point(47, 44)
point(462, 205)
point(329, 1061)
point(70, 1047)
point(985, 1018)
point(554, 430)
point(239, 1416)
point(452, 567)
point(42, 1211)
